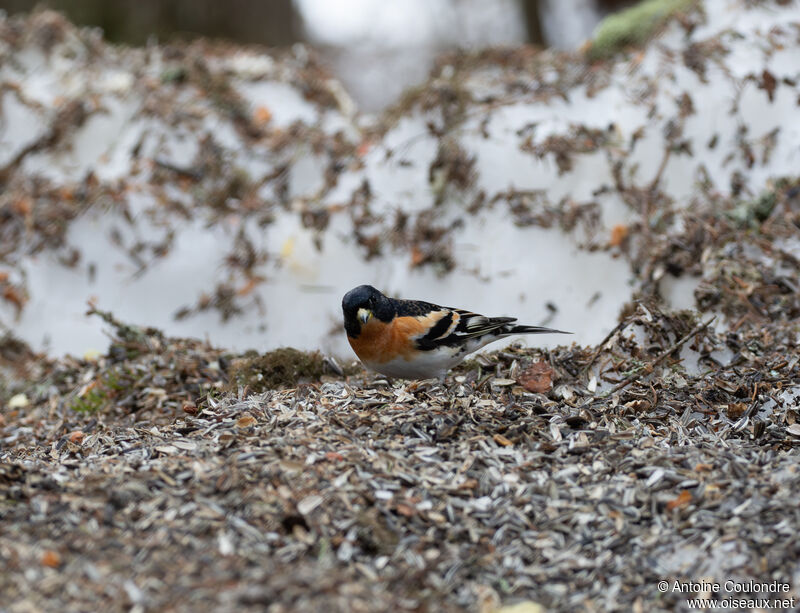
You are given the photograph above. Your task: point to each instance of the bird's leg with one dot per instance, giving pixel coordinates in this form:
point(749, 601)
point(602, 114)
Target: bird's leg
point(442, 384)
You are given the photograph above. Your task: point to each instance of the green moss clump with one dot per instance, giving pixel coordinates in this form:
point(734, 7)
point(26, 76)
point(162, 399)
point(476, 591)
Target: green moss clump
point(752, 213)
point(99, 394)
point(285, 367)
point(633, 26)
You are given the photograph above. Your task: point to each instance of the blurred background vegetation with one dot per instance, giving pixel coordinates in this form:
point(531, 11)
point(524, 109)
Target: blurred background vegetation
point(273, 23)
point(376, 48)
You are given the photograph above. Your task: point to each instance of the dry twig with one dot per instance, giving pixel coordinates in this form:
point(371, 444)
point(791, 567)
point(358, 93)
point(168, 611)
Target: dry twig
point(652, 364)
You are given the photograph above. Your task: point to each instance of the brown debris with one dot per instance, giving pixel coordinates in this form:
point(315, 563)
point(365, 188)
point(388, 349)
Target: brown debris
point(370, 494)
point(170, 474)
point(537, 378)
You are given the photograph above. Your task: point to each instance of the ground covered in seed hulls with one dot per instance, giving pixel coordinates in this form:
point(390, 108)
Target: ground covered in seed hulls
point(169, 474)
point(576, 478)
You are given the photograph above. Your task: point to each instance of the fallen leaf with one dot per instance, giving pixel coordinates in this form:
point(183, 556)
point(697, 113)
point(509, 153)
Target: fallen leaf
point(794, 429)
point(67, 194)
point(245, 421)
point(417, 256)
point(502, 440)
point(262, 116)
point(23, 206)
point(736, 409)
point(51, 559)
point(14, 296)
point(248, 287)
point(618, 234)
point(405, 510)
point(537, 378)
point(683, 499)
point(363, 148)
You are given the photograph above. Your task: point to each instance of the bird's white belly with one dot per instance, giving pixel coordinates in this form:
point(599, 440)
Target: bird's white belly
point(426, 365)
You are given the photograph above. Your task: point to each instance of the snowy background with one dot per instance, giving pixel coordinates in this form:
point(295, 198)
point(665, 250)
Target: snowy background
point(233, 194)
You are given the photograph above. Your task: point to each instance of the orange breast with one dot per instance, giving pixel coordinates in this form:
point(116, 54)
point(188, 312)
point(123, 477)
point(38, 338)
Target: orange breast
point(380, 342)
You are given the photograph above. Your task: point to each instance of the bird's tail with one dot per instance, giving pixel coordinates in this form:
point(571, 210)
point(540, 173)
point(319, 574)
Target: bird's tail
point(533, 330)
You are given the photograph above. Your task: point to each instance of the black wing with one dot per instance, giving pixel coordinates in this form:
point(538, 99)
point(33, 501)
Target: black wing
point(457, 327)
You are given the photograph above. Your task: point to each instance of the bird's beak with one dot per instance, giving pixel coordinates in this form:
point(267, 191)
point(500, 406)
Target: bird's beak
point(364, 315)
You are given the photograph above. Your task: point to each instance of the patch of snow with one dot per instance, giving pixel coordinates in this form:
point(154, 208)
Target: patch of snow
point(567, 23)
point(20, 127)
point(500, 268)
point(679, 291)
point(284, 102)
point(93, 143)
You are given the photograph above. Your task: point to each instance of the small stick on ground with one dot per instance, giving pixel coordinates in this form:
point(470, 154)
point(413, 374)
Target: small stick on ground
point(650, 365)
point(602, 344)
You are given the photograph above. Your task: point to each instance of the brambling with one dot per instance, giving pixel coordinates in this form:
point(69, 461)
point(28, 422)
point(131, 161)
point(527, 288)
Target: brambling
point(412, 339)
